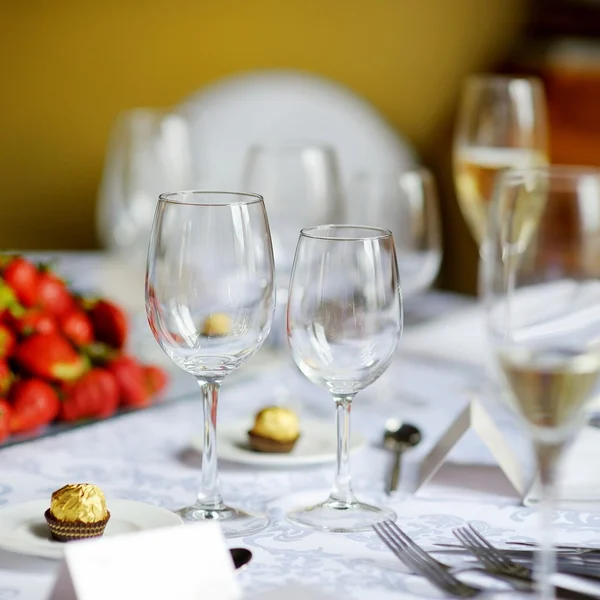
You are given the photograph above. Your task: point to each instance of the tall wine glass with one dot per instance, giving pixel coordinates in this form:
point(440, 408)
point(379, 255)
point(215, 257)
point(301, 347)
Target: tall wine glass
point(210, 298)
point(501, 124)
point(344, 320)
point(541, 283)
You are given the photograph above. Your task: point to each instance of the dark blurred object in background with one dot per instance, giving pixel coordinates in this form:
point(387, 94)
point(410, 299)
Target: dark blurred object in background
point(562, 46)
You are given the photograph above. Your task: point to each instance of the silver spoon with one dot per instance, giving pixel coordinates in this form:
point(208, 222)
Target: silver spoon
point(240, 556)
point(399, 437)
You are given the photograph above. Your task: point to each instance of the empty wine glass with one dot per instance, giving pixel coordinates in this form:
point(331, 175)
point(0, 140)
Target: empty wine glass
point(344, 320)
point(407, 204)
point(541, 282)
point(210, 298)
point(501, 124)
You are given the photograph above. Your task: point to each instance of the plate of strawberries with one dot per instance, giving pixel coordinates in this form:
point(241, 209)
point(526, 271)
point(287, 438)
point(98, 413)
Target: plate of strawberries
point(63, 358)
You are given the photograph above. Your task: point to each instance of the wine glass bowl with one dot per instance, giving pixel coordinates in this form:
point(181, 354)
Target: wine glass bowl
point(501, 124)
point(541, 284)
point(210, 297)
point(344, 320)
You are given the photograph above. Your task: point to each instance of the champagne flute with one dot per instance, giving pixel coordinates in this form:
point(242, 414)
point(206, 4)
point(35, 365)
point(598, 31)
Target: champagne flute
point(344, 320)
point(210, 297)
point(541, 285)
point(501, 124)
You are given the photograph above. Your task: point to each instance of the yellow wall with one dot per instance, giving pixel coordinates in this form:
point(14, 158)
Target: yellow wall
point(69, 67)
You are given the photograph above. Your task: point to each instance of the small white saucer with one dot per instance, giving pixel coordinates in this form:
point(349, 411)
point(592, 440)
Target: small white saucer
point(23, 528)
point(317, 445)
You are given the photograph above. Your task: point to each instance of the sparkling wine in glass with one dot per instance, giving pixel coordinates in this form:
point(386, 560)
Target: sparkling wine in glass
point(541, 285)
point(344, 321)
point(501, 125)
point(210, 297)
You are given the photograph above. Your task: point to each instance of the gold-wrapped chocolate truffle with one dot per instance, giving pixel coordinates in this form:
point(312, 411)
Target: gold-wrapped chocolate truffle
point(77, 511)
point(217, 325)
point(276, 429)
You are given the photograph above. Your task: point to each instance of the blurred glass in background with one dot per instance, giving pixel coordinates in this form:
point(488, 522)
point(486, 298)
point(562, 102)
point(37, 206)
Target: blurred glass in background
point(148, 154)
point(406, 203)
point(501, 124)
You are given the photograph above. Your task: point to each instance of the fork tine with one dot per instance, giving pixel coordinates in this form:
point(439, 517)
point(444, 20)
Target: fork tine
point(405, 549)
point(480, 553)
point(400, 551)
point(490, 556)
point(507, 561)
point(409, 542)
point(419, 561)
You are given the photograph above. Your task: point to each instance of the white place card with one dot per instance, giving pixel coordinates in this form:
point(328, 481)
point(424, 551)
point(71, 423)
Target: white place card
point(475, 416)
point(186, 563)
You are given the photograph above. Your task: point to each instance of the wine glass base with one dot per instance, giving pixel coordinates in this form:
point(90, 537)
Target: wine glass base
point(233, 521)
point(338, 517)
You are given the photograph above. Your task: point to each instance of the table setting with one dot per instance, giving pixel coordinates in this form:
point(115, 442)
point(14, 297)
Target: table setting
point(264, 396)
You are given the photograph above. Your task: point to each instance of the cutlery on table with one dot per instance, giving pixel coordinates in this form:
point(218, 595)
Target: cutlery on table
point(399, 437)
point(439, 574)
point(530, 552)
point(570, 561)
point(495, 561)
point(561, 547)
point(420, 562)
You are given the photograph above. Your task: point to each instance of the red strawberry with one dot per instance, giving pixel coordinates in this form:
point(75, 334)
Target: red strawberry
point(33, 321)
point(50, 356)
point(131, 380)
point(95, 395)
point(77, 327)
point(110, 323)
point(53, 295)
point(22, 276)
point(156, 378)
point(34, 403)
point(7, 341)
point(9, 305)
point(5, 412)
point(6, 377)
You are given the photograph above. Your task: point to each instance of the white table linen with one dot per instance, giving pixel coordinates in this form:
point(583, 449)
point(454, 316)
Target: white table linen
point(146, 456)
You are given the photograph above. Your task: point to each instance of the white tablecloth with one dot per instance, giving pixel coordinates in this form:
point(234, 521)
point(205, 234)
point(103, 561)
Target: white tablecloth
point(146, 456)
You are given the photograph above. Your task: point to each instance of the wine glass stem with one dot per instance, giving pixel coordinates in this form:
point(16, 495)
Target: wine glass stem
point(342, 486)
point(546, 561)
point(209, 496)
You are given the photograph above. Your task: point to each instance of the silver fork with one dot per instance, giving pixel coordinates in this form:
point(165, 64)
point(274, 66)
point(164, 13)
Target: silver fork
point(419, 561)
point(488, 555)
point(496, 562)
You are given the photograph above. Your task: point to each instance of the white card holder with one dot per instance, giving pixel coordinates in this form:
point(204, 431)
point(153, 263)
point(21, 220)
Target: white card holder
point(477, 417)
point(185, 562)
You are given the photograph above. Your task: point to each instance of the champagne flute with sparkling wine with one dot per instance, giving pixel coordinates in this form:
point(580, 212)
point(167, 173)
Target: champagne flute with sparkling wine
point(344, 320)
point(501, 125)
point(541, 284)
point(210, 297)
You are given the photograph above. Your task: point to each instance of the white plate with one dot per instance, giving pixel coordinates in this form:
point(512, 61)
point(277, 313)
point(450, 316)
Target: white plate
point(275, 106)
point(317, 444)
point(23, 528)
